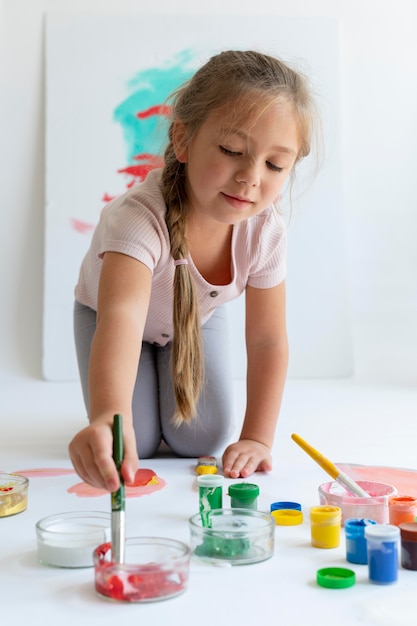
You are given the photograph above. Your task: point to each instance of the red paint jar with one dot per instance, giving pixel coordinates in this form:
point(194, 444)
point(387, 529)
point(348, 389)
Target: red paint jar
point(402, 509)
point(408, 533)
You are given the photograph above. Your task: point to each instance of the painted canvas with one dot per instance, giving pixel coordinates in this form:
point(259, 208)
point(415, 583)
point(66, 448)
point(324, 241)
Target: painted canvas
point(107, 78)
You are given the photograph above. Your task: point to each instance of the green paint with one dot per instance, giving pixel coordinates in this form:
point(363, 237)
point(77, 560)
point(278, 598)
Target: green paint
point(150, 88)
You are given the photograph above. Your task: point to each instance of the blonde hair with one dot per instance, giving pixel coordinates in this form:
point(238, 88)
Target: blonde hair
point(243, 83)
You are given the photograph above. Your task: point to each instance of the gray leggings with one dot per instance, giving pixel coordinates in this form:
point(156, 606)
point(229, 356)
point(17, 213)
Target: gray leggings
point(153, 398)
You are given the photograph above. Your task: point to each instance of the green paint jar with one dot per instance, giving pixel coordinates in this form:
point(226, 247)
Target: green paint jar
point(210, 495)
point(244, 496)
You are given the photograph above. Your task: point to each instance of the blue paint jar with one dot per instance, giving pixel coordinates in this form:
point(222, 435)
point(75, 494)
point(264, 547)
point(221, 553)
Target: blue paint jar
point(356, 543)
point(382, 542)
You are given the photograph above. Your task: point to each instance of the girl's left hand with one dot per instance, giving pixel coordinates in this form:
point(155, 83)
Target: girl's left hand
point(243, 458)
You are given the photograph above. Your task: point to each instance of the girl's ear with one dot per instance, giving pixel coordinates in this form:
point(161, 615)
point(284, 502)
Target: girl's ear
point(179, 141)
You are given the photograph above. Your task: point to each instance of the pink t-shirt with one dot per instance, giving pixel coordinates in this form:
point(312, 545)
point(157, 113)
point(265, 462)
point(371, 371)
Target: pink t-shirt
point(134, 224)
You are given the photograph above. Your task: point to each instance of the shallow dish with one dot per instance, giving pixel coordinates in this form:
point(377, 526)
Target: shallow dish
point(68, 539)
point(13, 494)
point(374, 508)
point(154, 568)
point(233, 536)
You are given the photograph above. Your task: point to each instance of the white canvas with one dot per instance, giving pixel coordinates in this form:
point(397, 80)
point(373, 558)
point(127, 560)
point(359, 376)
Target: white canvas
point(98, 68)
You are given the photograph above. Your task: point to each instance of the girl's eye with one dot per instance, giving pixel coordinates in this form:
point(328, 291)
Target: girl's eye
point(273, 167)
point(229, 152)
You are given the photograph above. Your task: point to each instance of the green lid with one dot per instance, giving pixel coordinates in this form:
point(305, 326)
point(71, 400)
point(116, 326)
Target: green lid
point(335, 577)
point(243, 491)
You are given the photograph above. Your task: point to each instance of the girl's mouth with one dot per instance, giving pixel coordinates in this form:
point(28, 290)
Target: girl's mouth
point(237, 202)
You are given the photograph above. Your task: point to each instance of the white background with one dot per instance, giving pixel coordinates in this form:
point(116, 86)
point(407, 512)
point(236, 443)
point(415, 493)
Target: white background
point(378, 101)
point(84, 86)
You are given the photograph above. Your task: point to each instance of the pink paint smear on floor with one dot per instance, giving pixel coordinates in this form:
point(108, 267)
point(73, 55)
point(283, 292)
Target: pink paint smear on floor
point(405, 480)
point(146, 482)
point(46, 472)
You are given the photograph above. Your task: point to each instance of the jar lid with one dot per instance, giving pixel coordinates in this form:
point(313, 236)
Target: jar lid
point(243, 491)
point(408, 530)
point(382, 532)
point(324, 512)
point(210, 480)
point(287, 517)
point(206, 469)
point(336, 577)
point(276, 506)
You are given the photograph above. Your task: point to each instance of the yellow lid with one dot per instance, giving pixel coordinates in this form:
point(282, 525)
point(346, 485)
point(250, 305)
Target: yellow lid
point(287, 517)
point(206, 469)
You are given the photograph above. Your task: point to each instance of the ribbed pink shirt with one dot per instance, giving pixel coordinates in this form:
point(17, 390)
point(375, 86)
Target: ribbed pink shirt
point(134, 224)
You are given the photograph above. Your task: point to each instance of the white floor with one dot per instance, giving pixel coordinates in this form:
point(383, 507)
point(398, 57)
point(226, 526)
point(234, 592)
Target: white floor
point(367, 419)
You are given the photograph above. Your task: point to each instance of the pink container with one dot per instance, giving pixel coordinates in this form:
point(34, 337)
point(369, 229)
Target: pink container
point(375, 507)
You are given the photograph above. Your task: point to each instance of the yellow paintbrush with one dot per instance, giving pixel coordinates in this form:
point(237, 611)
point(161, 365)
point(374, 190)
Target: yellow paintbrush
point(330, 468)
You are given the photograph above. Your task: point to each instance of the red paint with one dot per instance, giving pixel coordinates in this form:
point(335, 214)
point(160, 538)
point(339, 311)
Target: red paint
point(148, 582)
point(139, 171)
point(107, 197)
point(81, 227)
point(158, 109)
point(143, 477)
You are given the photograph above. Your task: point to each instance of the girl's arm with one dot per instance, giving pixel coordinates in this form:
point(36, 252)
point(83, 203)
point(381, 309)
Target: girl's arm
point(267, 356)
point(123, 300)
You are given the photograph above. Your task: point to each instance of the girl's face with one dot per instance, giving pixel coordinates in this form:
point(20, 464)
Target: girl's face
point(235, 173)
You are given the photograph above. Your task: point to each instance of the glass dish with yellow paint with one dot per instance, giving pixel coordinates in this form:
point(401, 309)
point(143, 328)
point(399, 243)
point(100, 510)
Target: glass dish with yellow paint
point(13, 494)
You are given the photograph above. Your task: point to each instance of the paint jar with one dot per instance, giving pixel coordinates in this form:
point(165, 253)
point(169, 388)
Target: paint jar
point(235, 537)
point(325, 524)
point(206, 465)
point(375, 507)
point(13, 494)
point(154, 568)
point(402, 509)
point(356, 544)
point(382, 541)
point(244, 496)
point(68, 539)
point(210, 495)
point(408, 532)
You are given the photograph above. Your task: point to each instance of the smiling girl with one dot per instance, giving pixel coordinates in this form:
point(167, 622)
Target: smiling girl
point(150, 325)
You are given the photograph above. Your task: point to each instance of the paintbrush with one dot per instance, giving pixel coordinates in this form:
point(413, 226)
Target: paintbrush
point(331, 468)
point(118, 496)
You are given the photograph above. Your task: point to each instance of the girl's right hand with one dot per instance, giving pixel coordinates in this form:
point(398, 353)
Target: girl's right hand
point(91, 453)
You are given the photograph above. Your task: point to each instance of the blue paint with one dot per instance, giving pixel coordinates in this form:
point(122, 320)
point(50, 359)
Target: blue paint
point(382, 540)
point(356, 543)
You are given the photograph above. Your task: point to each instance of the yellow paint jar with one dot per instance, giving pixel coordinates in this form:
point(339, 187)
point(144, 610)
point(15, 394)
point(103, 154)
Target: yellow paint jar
point(325, 523)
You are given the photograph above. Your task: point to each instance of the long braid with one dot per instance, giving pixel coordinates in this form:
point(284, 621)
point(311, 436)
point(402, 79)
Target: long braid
point(187, 352)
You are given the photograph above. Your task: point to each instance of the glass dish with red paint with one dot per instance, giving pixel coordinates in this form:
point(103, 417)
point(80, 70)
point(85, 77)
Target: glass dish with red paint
point(154, 568)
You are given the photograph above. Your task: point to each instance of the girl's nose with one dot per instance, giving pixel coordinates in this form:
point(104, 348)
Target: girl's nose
point(248, 174)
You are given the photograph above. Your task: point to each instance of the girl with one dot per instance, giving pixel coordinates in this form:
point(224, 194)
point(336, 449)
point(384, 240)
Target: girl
point(150, 329)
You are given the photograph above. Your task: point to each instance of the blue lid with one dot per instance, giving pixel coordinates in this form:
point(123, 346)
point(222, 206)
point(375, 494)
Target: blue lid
point(276, 506)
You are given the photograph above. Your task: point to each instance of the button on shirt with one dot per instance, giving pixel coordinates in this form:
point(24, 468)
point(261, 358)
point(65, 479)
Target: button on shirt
point(134, 224)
